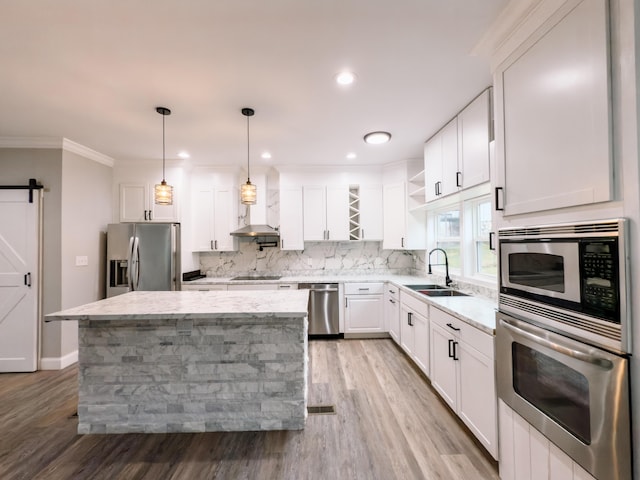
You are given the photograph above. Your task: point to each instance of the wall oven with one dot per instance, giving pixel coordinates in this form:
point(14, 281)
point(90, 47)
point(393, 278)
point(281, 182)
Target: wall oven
point(563, 339)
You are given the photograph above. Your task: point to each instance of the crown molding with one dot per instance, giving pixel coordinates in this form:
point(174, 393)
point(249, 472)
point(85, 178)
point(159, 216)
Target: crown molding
point(56, 142)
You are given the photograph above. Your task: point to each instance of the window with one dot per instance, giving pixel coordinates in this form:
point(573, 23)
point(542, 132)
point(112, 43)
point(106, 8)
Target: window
point(485, 259)
point(448, 238)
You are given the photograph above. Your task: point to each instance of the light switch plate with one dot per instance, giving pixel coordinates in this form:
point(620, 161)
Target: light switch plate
point(82, 261)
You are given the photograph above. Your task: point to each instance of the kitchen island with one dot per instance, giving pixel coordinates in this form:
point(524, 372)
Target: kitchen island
point(155, 362)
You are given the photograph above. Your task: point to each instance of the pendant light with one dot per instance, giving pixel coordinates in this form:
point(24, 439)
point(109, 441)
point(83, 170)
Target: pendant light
point(248, 190)
point(163, 193)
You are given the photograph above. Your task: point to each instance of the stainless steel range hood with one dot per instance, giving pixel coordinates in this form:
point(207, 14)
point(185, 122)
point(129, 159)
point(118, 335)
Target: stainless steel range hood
point(256, 231)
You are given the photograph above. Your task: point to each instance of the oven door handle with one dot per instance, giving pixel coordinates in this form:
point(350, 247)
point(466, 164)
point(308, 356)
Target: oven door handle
point(517, 327)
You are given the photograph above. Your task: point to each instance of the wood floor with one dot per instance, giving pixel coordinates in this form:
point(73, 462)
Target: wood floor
point(389, 424)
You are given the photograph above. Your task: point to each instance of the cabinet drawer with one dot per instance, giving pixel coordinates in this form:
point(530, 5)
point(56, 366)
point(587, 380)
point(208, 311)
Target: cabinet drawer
point(392, 291)
point(481, 341)
point(363, 288)
point(414, 304)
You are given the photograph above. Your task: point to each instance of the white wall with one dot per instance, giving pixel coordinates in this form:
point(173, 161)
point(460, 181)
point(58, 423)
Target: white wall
point(54, 168)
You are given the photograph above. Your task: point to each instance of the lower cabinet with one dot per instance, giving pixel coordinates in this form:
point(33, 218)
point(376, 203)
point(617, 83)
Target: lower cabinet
point(392, 311)
point(462, 372)
point(526, 453)
point(363, 308)
point(414, 330)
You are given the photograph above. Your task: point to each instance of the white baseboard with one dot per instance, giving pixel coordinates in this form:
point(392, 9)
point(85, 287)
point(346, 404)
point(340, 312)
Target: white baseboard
point(58, 363)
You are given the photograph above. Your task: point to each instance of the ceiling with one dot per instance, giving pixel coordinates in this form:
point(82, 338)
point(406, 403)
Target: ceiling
point(94, 71)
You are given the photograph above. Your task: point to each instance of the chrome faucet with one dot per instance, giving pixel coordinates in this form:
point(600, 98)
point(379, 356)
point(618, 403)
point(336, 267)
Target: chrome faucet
point(447, 279)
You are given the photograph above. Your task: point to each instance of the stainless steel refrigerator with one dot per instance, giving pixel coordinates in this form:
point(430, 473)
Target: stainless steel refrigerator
point(142, 256)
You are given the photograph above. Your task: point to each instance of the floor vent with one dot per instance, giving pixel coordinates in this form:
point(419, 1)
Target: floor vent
point(322, 410)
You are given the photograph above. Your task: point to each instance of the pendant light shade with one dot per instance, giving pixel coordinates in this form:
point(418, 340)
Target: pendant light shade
point(248, 192)
point(163, 192)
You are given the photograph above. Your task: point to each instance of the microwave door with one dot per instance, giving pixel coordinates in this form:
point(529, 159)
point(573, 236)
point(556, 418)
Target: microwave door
point(550, 269)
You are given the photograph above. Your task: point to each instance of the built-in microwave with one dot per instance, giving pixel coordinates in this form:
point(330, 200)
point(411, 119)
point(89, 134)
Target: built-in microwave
point(571, 278)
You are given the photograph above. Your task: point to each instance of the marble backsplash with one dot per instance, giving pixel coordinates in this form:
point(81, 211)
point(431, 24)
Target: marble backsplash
point(318, 258)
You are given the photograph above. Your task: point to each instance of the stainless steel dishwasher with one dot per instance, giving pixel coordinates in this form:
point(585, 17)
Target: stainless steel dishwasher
point(323, 308)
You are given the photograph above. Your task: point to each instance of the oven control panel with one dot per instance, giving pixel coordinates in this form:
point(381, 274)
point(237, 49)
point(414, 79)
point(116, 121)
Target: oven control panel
point(599, 276)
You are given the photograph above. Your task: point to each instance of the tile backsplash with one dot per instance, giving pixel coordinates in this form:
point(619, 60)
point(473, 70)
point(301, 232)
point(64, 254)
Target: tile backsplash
point(318, 258)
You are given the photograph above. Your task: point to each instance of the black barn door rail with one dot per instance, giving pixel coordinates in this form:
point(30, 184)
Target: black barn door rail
point(33, 185)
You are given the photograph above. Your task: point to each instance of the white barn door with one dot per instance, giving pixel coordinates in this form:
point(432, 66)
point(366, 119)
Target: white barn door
point(19, 282)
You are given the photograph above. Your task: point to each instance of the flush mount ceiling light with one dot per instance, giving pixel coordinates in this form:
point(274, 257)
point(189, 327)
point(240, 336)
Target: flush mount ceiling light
point(163, 193)
point(345, 78)
point(184, 155)
point(248, 191)
point(376, 138)
point(266, 155)
point(351, 155)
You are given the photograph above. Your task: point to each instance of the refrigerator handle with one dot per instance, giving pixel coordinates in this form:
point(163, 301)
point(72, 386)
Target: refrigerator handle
point(136, 253)
point(130, 266)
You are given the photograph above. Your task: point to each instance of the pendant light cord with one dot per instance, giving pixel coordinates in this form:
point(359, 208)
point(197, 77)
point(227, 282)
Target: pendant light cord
point(163, 147)
point(248, 143)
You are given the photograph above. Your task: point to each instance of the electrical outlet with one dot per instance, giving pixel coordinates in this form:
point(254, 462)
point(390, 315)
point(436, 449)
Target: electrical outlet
point(82, 261)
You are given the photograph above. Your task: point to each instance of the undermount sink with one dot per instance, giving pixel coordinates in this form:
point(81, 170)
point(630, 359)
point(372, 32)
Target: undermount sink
point(257, 277)
point(442, 292)
point(428, 286)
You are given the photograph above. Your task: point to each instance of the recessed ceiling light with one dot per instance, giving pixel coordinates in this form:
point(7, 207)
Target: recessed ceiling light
point(376, 138)
point(351, 155)
point(184, 155)
point(345, 78)
point(266, 155)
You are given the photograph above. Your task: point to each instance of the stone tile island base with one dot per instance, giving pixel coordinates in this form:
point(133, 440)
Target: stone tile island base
point(225, 373)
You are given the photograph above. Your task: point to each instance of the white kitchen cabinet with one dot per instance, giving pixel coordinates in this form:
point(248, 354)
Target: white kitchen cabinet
point(414, 330)
point(442, 175)
point(402, 229)
point(474, 135)
point(462, 372)
point(215, 216)
point(525, 453)
point(363, 308)
point(137, 204)
point(326, 212)
point(392, 311)
point(553, 114)
point(291, 219)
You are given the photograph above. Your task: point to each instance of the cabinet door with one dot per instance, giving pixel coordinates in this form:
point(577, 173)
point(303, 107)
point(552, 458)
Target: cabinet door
point(364, 314)
point(421, 342)
point(315, 214)
point(134, 202)
point(432, 167)
point(474, 134)
point(371, 212)
point(450, 177)
point(443, 366)
point(407, 335)
point(558, 120)
point(392, 317)
point(291, 219)
point(202, 220)
point(477, 395)
point(225, 218)
point(394, 216)
point(337, 211)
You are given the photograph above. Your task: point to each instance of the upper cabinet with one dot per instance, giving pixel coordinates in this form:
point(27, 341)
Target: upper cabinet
point(326, 212)
point(553, 119)
point(291, 218)
point(214, 207)
point(136, 199)
point(404, 216)
point(457, 157)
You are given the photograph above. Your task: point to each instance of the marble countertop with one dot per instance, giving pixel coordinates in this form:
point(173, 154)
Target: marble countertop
point(191, 305)
point(476, 310)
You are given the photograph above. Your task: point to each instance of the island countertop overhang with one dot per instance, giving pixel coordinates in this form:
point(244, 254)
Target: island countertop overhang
point(191, 305)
